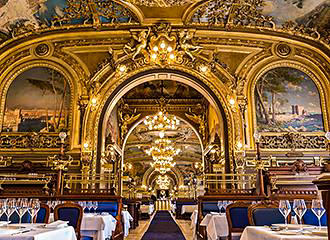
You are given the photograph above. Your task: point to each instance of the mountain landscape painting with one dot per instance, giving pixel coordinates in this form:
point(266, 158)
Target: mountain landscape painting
point(287, 100)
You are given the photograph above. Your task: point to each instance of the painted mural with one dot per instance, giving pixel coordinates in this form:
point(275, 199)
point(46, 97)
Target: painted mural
point(167, 89)
point(287, 100)
point(112, 130)
point(38, 100)
point(42, 12)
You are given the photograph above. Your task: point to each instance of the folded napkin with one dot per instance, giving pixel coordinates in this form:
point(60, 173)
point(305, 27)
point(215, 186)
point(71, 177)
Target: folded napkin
point(57, 224)
point(4, 223)
point(215, 213)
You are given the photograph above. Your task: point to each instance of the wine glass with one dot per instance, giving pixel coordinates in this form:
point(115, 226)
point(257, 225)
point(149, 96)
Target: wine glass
point(299, 207)
point(225, 204)
point(318, 209)
point(22, 207)
point(11, 207)
point(285, 209)
point(89, 206)
point(34, 208)
point(220, 203)
point(3, 207)
point(95, 205)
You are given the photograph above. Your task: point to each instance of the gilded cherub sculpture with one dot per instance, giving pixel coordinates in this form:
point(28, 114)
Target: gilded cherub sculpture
point(187, 47)
point(142, 40)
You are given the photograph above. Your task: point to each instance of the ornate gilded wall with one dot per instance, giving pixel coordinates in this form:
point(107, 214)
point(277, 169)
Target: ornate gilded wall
point(222, 57)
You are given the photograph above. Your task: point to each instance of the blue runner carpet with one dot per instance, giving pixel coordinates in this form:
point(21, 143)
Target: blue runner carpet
point(163, 227)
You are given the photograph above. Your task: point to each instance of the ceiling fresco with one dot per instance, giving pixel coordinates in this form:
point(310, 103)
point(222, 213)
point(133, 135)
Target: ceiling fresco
point(42, 13)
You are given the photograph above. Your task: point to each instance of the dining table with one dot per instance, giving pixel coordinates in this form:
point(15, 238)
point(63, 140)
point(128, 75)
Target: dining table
point(127, 218)
point(216, 225)
point(188, 208)
point(98, 226)
point(266, 233)
point(36, 232)
point(193, 224)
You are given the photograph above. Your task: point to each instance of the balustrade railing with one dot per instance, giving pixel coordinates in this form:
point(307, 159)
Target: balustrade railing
point(76, 183)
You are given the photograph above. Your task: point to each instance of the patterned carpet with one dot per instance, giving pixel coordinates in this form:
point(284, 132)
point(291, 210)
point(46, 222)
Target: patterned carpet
point(163, 227)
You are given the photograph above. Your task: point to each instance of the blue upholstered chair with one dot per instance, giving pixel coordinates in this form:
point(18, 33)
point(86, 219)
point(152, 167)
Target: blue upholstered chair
point(262, 214)
point(208, 207)
point(110, 207)
point(237, 218)
point(43, 214)
point(71, 212)
point(310, 218)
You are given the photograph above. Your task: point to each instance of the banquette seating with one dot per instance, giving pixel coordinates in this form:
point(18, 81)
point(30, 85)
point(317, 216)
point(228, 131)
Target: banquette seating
point(179, 203)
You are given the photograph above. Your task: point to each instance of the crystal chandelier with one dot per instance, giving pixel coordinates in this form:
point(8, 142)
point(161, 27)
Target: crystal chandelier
point(162, 152)
point(163, 182)
point(162, 122)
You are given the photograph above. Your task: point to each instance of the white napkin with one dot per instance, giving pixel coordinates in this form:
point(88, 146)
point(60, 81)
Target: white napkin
point(57, 224)
point(215, 213)
point(4, 223)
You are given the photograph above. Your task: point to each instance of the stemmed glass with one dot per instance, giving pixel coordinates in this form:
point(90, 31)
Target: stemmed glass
point(3, 207)
point(95, 205)
point(318, 209)
point(89, 206)
point(11, 207)
point(22, 207)
point(83, 205)
point(34, 208)
point(220, 203)
point(299, 207)
point(285, 209)
point(225, 204)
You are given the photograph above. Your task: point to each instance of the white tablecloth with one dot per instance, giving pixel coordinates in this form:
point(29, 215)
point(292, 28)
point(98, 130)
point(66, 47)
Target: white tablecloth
point(264, 233)
point(188, 208)
point(99, 227)
point(193, 218)
point(127, 225)
point(216, 226)
point(147, 209)
point(38, 233)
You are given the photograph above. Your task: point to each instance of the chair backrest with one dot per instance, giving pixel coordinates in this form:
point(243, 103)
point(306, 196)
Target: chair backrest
point(262, 214)
point(237, 216)
point(43, 214)
point(109, 207)
point(208, 207)
point(310, 218)
point(71, 212)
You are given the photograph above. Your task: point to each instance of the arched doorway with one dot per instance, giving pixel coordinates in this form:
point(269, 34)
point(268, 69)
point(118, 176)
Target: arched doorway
point(164, 75)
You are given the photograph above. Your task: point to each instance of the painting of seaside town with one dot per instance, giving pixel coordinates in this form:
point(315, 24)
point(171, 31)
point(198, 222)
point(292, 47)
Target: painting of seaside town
point(287, 100)
point(38, 100)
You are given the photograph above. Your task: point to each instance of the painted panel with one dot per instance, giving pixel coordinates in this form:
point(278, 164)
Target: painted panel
point(38, 100)
point(287, 100)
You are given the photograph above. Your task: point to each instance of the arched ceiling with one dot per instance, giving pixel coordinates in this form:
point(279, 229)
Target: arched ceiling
point(27, 15)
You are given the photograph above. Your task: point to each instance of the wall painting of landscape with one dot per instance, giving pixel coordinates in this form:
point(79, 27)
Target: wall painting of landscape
point(287, 100)
point(38, 100)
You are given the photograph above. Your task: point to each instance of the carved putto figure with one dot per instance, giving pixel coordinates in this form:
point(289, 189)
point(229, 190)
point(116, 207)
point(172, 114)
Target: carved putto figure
point(126, 118)
point(142, 40)
point(185, 37)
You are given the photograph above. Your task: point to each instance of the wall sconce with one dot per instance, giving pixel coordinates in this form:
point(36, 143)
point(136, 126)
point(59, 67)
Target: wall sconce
point(204, 69)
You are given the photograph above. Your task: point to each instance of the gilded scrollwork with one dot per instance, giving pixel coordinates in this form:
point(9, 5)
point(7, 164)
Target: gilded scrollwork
point(292, 141)
point(126, 117)
point(30, 140)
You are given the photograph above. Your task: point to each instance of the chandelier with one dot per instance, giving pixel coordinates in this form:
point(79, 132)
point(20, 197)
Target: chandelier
point(162, 122)
point(163, 182)
point(162, 152)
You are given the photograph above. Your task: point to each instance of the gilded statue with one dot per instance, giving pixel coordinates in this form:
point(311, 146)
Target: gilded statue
point(125, 120)
point(142, 40)
point(185, 37)
point(199, 119)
